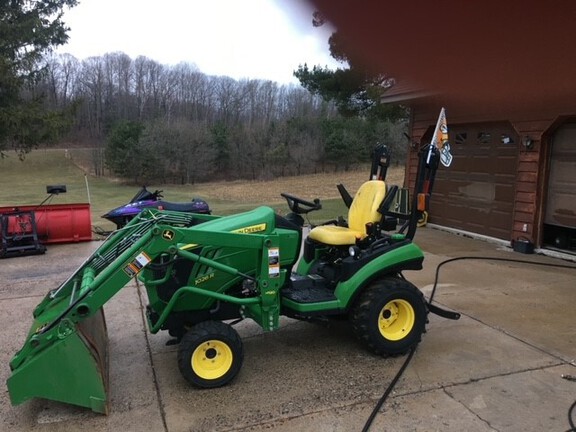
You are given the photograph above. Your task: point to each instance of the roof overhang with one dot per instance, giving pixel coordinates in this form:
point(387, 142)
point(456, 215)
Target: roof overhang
point(490, 53)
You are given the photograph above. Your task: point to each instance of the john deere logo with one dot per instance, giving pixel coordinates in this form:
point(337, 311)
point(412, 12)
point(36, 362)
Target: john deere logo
point(251, 229)
point(168, 235)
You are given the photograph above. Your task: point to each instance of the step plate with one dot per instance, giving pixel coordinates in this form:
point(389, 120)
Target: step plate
point(306, 289)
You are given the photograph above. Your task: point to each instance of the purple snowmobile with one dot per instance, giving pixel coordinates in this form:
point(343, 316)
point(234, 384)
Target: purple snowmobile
point(146, 199)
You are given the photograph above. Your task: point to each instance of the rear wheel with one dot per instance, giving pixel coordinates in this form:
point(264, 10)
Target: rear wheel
point(210, 354)
point(390, 316)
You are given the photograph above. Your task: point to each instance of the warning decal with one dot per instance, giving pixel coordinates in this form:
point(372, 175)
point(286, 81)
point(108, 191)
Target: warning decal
point(141, 261)
point(274, 262)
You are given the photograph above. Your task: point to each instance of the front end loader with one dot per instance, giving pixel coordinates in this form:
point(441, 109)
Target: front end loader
point(203, 273)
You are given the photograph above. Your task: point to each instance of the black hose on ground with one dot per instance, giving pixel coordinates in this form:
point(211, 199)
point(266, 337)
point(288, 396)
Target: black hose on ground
point(413, 349)
point(571, 418)
point(389, 389)
point(490, 259)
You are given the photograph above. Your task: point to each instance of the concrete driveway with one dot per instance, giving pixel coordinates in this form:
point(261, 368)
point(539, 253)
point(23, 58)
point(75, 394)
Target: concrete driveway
point(501, 367)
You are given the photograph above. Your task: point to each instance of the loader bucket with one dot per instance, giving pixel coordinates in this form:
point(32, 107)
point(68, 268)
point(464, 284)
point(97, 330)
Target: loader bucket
point(74, 369)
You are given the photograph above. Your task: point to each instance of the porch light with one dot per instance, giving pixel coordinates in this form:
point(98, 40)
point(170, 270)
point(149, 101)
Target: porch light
point(528, 142)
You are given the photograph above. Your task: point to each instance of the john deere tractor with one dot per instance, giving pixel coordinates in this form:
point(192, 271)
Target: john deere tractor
point(203, 273)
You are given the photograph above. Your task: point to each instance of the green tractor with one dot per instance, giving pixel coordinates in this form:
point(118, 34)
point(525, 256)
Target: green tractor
point(203, 273)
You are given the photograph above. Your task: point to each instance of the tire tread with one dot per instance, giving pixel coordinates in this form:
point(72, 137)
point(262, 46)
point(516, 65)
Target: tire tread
point(361, 316)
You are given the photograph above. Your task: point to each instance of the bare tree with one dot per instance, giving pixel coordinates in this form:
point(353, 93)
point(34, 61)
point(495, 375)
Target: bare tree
point(198, 126)
point(92, 90)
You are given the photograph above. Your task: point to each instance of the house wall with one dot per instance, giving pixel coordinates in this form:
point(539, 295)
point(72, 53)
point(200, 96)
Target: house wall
point(532, 163)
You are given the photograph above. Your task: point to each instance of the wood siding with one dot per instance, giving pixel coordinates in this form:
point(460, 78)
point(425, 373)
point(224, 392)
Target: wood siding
point(528, 201)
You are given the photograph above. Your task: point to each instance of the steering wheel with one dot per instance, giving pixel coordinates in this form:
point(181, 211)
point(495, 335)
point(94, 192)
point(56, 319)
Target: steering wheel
point(295, 204)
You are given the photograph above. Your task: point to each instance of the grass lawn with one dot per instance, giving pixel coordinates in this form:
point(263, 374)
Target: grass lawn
point(24, 183)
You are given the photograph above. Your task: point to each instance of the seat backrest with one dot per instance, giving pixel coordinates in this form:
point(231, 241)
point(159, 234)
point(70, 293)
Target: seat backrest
point(365, 205)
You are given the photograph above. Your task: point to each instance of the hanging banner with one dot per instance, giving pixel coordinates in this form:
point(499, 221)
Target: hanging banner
point(440, 140)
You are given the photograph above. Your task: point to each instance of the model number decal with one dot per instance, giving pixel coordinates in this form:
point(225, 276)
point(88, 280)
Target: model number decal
point(203, 279)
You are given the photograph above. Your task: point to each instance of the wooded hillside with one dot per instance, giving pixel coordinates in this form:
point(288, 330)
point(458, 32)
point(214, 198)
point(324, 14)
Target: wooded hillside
point(174, 124)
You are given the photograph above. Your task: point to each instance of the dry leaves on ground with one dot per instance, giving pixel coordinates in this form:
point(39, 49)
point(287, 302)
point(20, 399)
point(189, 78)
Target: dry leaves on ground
point(306, 186)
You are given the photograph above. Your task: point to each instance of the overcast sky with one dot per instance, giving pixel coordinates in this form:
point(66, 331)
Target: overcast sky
point(265, 39)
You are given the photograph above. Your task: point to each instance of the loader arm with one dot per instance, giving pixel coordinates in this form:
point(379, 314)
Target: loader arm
point(101, 276)
point(64, 357)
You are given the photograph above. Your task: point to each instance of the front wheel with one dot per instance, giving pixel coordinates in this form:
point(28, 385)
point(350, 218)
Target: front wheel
point(390, 316)
point(210, 354)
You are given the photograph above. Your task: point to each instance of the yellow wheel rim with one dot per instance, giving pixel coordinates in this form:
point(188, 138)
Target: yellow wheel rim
point(212, 359)
point(396, 319)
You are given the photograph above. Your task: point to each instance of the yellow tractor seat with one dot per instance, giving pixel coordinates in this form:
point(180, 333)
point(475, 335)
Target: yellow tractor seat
point(364, 209)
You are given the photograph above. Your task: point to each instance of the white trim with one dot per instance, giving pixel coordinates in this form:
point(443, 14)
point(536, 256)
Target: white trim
point(504, 243)
point(471, 235)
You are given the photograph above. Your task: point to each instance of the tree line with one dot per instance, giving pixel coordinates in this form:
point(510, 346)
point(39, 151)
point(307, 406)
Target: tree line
point(152, 122)
point(148, 122)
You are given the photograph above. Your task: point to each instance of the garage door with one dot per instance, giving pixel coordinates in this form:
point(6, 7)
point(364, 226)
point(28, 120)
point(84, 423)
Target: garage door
point(476, 193)
point(561, 202)
point(560, 217)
